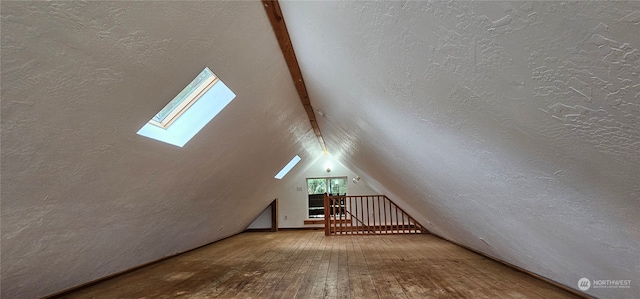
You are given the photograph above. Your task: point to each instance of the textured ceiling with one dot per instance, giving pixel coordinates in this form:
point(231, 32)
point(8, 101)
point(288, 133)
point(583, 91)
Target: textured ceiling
point(512, 128)
point(509, 127)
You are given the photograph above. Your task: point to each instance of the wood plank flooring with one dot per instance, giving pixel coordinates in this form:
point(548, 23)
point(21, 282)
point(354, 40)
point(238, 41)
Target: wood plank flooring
point(306, 264)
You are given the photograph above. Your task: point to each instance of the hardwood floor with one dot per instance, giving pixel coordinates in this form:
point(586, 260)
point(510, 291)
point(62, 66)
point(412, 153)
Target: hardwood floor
point(306, 264)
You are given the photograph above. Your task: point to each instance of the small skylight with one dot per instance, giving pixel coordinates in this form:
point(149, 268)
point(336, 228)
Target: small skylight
point(288, 167)
point(188, 112)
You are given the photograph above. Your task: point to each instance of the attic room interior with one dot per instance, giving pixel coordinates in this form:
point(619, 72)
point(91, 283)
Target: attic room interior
point(507, 132)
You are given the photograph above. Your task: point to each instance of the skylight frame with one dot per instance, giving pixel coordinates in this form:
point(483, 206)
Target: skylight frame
point(185, 99)
point(294, 161)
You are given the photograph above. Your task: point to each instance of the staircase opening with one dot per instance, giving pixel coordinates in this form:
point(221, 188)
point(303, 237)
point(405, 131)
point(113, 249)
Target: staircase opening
point(366, 215)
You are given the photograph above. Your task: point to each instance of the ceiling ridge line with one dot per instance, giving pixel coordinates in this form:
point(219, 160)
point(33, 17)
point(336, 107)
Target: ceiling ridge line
point(272, 8)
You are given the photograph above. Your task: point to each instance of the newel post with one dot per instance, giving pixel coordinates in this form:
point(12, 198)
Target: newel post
point(327, 218)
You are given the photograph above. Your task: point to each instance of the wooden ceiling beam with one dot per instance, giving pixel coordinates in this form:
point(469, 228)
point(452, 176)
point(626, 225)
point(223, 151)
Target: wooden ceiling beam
point(272, 7)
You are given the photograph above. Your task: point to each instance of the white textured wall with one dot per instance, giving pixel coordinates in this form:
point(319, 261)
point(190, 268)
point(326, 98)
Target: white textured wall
point(510, 127)
point(82, 195)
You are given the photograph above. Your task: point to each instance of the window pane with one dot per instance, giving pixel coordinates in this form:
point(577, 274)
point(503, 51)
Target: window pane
point(316, 186)
point(185, 95)
point(316, 206)
point(338, 186)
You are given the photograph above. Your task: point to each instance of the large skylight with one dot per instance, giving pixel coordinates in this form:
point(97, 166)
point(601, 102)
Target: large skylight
point(288, 167)
point(188, 112)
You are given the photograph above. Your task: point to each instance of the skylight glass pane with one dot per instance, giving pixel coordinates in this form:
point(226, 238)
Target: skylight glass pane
point(196, 110)
point(288, 167)
point(184, 99)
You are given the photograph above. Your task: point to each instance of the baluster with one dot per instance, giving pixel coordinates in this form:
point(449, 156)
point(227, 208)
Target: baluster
point(355, 215)
point(384, 202)
point(376, 220)
point(340, 214)
point(411, 226)
point(341, 205)
point(350, 217)
point(343, 215)
point(403, 228)
point(380, 215)
point(340, 208)
point(337, 201)
point(393, 219)
point(361, 213)
point(333, 215)
point(368, 214)
point(373, 213)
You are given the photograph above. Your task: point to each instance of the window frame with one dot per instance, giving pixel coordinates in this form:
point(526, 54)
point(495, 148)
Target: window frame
point(308, 198)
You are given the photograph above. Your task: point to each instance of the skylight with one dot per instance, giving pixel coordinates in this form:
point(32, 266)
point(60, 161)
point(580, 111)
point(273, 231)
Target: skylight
point(288, 167)
point(187, 113)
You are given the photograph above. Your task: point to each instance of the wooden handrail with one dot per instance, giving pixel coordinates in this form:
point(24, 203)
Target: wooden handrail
point(346, 215)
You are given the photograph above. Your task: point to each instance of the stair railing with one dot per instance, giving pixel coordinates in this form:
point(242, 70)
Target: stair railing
point(366, 215)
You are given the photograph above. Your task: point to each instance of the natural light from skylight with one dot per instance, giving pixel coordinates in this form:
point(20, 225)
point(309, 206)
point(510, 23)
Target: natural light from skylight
point(288, 167)
point(188, 112)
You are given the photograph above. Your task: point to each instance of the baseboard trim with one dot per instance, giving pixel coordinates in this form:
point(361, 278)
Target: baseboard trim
point(302, 228)
point(258, 230)
point(525, 271)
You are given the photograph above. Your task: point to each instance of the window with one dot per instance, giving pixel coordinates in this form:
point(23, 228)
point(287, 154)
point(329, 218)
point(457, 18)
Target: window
point(316, 187)
point(188, 112)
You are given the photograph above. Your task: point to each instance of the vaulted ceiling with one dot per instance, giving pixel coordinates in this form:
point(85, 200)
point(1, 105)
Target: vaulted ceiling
point(509, 127)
